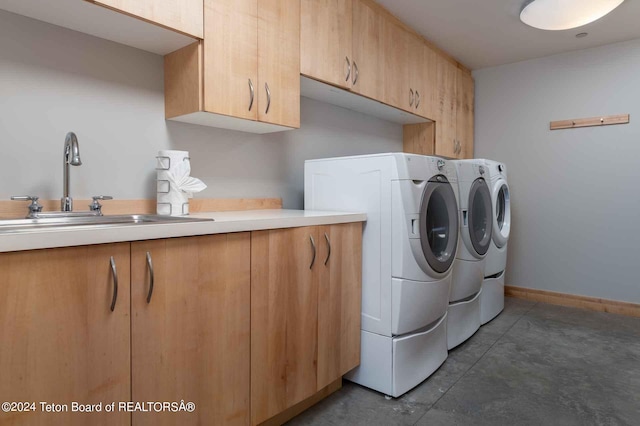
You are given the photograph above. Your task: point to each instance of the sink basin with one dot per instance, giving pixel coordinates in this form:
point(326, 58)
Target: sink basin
point(41, 224)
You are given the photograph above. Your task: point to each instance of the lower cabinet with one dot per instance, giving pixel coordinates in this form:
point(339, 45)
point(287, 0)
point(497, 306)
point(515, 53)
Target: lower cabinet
point(64, 334)
point(190, 308)
point(244, 325)
point(305, 313)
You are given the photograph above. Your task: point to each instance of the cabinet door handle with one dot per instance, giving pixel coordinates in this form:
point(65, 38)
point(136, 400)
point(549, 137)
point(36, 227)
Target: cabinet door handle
point(455, 146)
point(348, 68)
point(313, 247)
point(115, 283)
point(326, 237)
point(266, 88)
point(411, 97)
point(251, 94)
point(417, 99)
point(151, 279)
point(356, 73)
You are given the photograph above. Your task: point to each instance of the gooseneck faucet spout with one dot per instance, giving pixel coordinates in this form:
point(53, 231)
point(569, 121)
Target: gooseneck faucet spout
point(71, 157)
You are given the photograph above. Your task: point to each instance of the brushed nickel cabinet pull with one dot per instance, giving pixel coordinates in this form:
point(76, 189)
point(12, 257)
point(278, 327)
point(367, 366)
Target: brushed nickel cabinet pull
point(326, 237)
point(348, 68)
point(251, 94)
point(151, 278)
point(356, 72)
point(266, 87)
point(115, 283)
point(417, 99)
point(411, 97)
point(313, 247)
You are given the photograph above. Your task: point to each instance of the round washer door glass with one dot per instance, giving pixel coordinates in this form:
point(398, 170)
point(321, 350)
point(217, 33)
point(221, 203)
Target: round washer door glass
point(480, 216)
point(439, 224)
point(502, 205)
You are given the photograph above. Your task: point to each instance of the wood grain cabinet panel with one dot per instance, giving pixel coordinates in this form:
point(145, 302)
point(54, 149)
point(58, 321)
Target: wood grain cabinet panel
point(339, 301)
point(184, 16)
point(446, 119)
point(368, 65)
point(191, 337)
point(306, 286)
point(397, 90)
point(325, 41)
point(60, 341)
point(465, 113)
point(284, 319)
point(231, 57)
point(245, 74)
point(279, 62)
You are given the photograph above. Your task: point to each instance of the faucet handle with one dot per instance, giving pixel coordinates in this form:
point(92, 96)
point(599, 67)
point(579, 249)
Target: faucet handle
point(95, 205)
point(34, 207)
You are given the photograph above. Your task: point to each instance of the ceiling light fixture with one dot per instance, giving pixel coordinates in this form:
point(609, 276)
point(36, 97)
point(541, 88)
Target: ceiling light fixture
point(565, 14)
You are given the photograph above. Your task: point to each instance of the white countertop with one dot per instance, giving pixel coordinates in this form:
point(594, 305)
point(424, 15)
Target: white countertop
point(224, 222)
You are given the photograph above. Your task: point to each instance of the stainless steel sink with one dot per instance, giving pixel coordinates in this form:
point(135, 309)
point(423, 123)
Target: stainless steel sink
point(41, 224)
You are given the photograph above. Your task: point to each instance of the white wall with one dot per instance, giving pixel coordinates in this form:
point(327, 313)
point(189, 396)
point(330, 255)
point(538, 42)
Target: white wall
point(575, 193)
point(53, 80)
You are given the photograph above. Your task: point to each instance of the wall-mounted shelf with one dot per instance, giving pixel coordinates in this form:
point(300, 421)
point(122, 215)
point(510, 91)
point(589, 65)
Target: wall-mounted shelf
point(89, 18)
point(590, 122)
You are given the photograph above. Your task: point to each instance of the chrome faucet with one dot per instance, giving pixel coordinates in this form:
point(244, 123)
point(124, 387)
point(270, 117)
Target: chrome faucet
point(71, 157)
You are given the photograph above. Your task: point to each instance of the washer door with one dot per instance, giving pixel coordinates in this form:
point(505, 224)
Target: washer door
point(502, 213)
point(480, 216)
point(439, 223)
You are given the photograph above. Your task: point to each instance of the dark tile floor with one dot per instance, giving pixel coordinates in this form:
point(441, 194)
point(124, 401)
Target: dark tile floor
point(535, 364)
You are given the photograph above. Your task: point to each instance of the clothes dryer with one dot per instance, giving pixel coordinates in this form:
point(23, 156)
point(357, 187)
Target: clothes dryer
point(409, 244)
point(492, 296)
point(475, 238)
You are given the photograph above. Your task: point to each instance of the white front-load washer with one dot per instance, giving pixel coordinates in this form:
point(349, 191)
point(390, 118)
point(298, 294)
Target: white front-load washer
point(463, 317)
point(409, 244)
point(492, 296)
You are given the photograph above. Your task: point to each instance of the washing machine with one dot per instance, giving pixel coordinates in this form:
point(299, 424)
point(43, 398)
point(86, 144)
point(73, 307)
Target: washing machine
point(409, 244)
point(492, 296)
point(463, 317)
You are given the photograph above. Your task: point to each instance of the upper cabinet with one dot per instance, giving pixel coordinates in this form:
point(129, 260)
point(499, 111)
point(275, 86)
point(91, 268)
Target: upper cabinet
point(451, 135)
point(454, 116)
point(245, 75)
point(158, 26)
point(359, 46)
point(445, 113)
point(180, 15)
point(368, 66)
point(464, 113)
point(325, 41)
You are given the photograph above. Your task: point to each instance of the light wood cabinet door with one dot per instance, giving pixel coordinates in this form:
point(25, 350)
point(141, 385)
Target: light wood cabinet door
point(184, 16)
point(425, 74)
point(279, 62)
point(397, 90)
point(231, 58)
point(465, 113)
point(325, 41)
point(368, 65)
point(284, 319)
point(61, 342)
point(190, 334)
point(446, 119)
point(339, 301)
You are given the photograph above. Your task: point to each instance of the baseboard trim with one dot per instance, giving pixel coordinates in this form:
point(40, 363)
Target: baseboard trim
point(574, 301)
